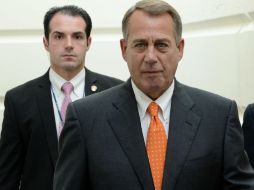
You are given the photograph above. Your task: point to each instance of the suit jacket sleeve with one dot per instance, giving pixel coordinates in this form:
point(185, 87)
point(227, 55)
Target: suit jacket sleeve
point(238, 173)
point(11, 149)
point(248, 131)
point(70, 168)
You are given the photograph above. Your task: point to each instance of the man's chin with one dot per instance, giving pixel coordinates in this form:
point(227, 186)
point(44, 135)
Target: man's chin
point(154, 88)
point(70, 66)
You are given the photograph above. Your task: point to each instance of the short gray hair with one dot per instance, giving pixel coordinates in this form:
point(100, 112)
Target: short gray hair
point(154, 7)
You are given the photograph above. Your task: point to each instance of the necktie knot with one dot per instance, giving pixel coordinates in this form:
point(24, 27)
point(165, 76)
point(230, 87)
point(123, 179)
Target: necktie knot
point(153, 109)
point(67, 88)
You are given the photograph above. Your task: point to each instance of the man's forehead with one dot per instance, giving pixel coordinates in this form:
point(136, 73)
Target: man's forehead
point(65, 20)
point(60, 25)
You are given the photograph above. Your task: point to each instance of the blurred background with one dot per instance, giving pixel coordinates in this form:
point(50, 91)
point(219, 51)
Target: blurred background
point(218, 56)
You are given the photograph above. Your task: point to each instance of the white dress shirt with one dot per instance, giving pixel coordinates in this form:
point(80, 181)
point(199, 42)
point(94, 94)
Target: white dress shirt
point(143, 101)
point(57, 81)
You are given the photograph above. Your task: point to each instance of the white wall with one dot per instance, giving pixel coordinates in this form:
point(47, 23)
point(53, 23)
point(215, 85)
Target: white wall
point(219, 36)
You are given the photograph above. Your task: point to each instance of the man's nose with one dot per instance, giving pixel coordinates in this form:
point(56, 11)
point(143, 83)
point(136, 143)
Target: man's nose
point(150, 55)
point(69, 43)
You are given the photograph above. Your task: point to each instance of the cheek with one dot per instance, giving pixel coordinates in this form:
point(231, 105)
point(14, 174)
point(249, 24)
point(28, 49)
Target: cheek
point(133, 68)
point(170, 60)
point(55, 53)
point(54, 47)
point(136, 59)
point(136, 64)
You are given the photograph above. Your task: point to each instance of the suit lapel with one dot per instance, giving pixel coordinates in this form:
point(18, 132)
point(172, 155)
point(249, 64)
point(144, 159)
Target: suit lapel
point(90, 87)
point(125, 123)
point(43, 94)
point(182, 130)
point(126, 126)
point(44, 99)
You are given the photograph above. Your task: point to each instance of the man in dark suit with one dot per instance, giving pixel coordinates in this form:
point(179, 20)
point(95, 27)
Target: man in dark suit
point(248, 132)
point(109, 139)
point(30, 130)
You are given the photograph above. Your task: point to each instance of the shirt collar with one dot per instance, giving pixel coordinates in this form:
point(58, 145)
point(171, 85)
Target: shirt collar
point(143, 100)
point(57, 81)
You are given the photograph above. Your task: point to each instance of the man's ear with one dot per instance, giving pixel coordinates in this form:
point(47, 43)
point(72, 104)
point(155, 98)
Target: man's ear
point(123, 44)
point(46, 43)
point(181, 48)
point(89, 42)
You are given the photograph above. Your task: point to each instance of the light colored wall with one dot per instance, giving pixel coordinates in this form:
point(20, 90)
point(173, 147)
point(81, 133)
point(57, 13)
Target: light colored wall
point(219, 37)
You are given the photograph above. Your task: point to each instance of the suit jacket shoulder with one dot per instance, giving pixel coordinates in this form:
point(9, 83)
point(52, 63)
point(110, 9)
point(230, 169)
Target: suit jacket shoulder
point(26, 88)
point(197, 93)
point(202, 99)
point(248, 132)
point(96, 82)
point(103, 99)
point(249, 110)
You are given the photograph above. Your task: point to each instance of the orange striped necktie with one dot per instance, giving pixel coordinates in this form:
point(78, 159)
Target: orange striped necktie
point(156, 146)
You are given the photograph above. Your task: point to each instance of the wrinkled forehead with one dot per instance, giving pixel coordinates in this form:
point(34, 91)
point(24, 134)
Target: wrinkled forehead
point(144, 25)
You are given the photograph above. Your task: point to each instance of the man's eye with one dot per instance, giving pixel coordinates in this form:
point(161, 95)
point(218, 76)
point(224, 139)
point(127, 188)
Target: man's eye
point(58, 37)
point(161, 45)
point(79, 37)
point(140, 45)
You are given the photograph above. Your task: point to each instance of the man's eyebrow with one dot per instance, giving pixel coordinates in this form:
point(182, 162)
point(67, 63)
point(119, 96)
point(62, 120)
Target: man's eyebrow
point(163, 40)
point(57, 32)
point(75, 33)
point(139, 40)
point(79, 32)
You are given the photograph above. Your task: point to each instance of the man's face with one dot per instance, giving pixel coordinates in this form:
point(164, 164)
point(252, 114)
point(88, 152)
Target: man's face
point(151, 52)
point(67, 44)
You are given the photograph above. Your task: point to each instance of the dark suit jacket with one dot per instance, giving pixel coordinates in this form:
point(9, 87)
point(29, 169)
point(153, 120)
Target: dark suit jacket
point(248, 132)
point(28, 144)
point(102, 146)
